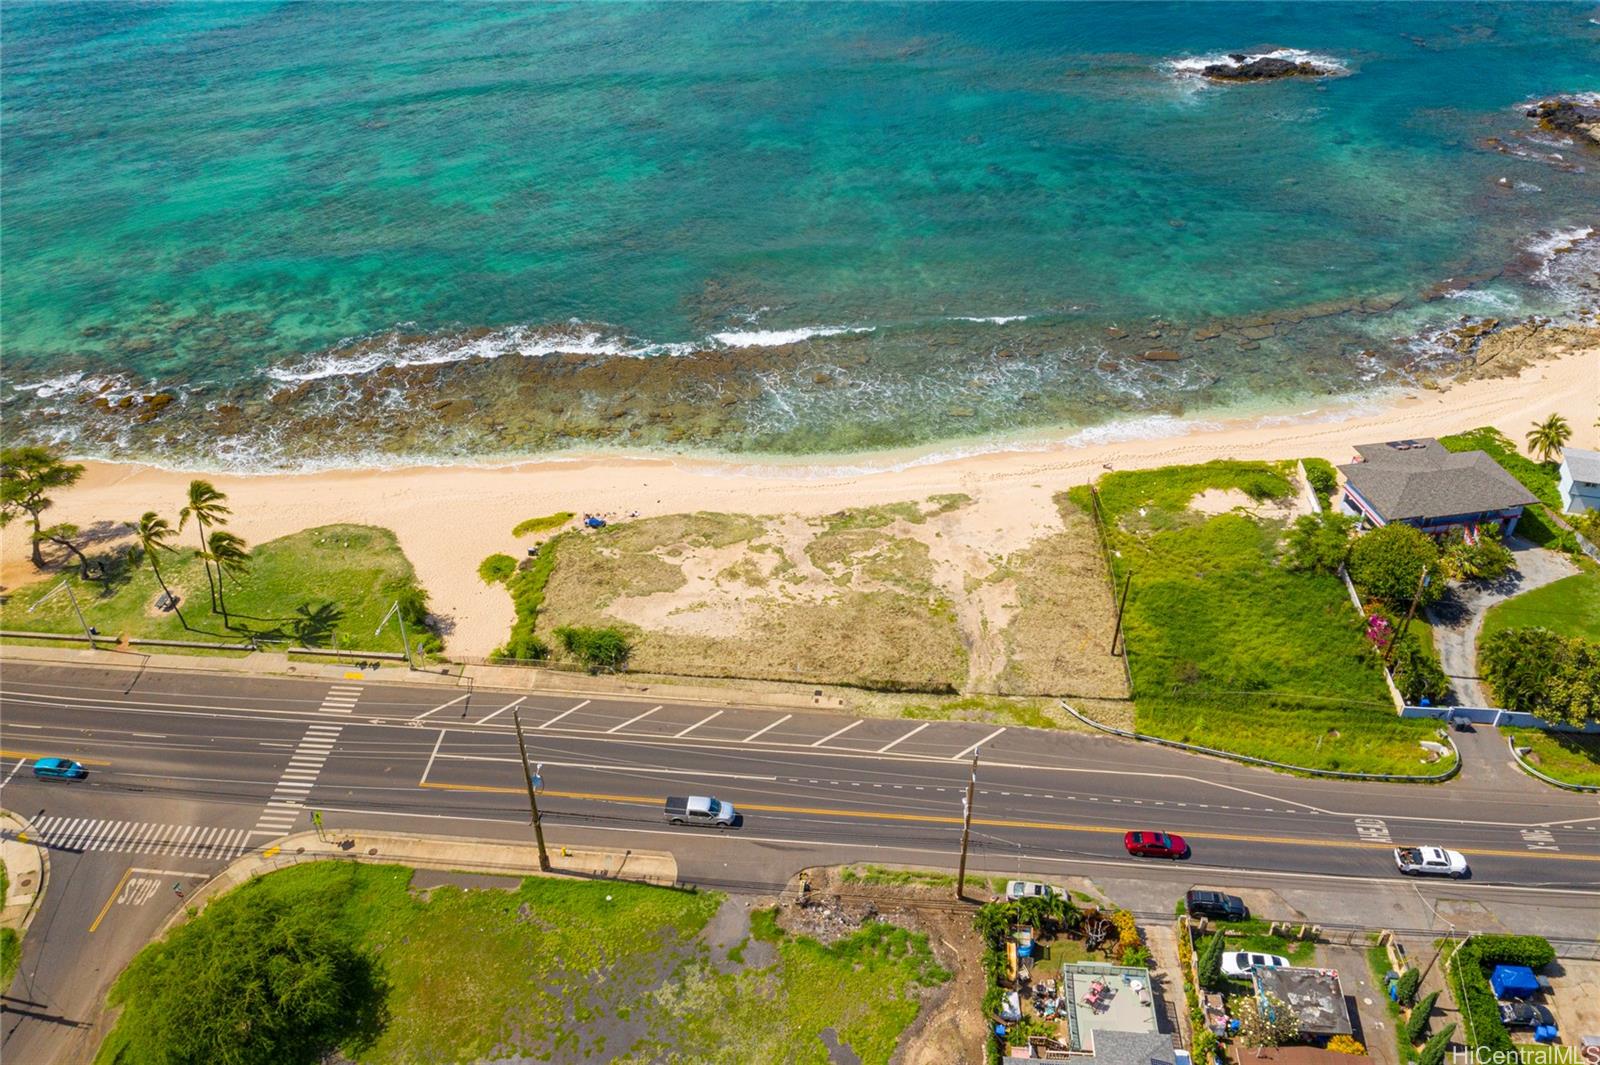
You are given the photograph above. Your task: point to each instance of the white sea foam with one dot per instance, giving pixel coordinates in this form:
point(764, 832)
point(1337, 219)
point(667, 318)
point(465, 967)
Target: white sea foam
point(773, 338)
point(999, 319)
point(51, 386)
point(1194, 66)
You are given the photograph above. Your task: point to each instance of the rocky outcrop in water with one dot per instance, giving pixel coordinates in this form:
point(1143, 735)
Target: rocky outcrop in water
point(1241, 67)
point(1577, 117)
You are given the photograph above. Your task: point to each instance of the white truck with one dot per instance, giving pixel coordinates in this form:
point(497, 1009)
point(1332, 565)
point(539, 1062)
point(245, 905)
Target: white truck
point(700, 810)
point(1430, 861)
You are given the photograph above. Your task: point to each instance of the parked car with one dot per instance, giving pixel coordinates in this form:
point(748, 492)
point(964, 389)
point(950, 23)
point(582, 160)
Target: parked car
point(700, 810)
point(1524, 1015)
point(1155, 845)
point(1240, 962)
point(1215, 904)
point(58, 769)
point(1027, 889)
point(1430, 861)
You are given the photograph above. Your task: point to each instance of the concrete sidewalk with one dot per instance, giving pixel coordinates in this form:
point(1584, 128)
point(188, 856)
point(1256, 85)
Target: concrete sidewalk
point(509, 678)
point(27, 872)
point(432, 852)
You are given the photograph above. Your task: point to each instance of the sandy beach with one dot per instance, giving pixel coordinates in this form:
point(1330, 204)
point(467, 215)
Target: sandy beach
point(449, 518)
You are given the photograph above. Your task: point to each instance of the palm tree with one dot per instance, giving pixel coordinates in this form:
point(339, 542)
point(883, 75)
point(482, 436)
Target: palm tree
point(206, 508)
point(1547, 438)
point(229, 554)
point(153, 532)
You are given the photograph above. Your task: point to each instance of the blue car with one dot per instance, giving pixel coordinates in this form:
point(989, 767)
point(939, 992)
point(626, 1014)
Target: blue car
point(58, 769)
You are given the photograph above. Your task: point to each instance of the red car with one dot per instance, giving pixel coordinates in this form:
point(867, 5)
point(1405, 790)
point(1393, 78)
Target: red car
point(1155, 845)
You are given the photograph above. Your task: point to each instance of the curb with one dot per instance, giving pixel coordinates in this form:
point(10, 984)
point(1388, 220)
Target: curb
point(287, 851)
point(44, 875)
point(1388, 778)
point(1527, 767)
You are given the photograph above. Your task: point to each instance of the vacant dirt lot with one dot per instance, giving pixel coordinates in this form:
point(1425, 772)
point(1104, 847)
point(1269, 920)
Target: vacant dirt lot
point(939, 594)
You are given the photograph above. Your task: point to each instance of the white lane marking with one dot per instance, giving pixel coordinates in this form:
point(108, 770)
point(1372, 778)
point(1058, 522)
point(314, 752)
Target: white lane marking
point(895, 743)
point(429, 767)
point(442, 706)
point(841, 732)
point(697, 724)
point(767, 728)
point(975, 746)
point(599, 767)
point(14, 770)
point(503, 709)
point(631, 720)
point(564, 713)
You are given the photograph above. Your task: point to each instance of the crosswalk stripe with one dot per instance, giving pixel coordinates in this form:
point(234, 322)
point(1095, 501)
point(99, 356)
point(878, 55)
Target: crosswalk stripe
point(80, 832)
point(118, 837)
point(203, 841)
point(42, 826)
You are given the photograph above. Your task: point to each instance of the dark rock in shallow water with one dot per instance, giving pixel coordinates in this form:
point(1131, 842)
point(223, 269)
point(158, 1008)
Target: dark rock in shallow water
point(1577, 117)
point(1162, 355)
point(1262, 68)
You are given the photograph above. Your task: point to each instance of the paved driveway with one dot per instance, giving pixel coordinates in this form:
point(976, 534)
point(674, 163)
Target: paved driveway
point(1458, 616)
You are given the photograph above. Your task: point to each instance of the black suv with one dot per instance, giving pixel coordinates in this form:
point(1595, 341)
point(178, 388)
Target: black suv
point(1524, 1015)
point(1215, 904)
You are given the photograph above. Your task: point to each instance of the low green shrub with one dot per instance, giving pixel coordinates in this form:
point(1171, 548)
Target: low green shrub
point(497, 569)
point(1406, 986)
point(1468, 969)
point(1323, 479)
point(527, 587)
point(1417, 1023)
point(597, 649)
point(544, 524)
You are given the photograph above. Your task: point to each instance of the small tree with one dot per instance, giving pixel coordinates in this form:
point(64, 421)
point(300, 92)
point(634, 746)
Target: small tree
point(1519, 665)
point(1433, 1053)
point(64, 534)
point(1208, 960)
point(596, 648)
point(207, 507)
point(1406, 987)
point(1547, 438)
point(1417, 1023)
point(154, 531)
point(1264, 1022)
point(1417, 676)
point(228, 553)
point(1389, 562)
point(1575, 689)
point(1486, 559)
point(1318, 543)
point(29, 476)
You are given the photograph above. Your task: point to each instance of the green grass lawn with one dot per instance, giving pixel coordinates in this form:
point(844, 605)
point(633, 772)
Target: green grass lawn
point(10, 942)
point(1230, 650)
point(319, 587)
point(605, 971)
point(1568, 756)
point(1570, 606)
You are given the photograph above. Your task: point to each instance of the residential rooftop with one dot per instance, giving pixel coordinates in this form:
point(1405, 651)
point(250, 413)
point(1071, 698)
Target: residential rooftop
point(1406, 480)
point(1313, 994)
point(1584, 465)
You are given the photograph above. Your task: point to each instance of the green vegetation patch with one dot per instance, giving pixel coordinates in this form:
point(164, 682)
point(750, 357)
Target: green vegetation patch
point(1324, 479)
point(496, 569)
point(1570, 607)
point(544, 524)
point(1571, 757)
point(323, 587)
point(865, 988)
point(527, 587)
point(885, 876)
point(1230, 649)
point(10, 955)
point(1027, 713)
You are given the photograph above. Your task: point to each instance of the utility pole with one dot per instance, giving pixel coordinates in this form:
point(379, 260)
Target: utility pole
point(1121, 605)
point(966, 826)
point(1422, 582)
point(66, 582)
point(533, 798)
point(405, 640)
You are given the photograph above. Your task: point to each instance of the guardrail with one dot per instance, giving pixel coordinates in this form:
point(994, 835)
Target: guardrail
point(1232, 756)
point(1527, 767)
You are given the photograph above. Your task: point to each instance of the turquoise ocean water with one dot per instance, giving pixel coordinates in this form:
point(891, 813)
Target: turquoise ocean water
point(262, 236)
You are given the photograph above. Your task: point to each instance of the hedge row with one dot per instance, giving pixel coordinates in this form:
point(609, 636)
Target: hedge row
point(1470, 966)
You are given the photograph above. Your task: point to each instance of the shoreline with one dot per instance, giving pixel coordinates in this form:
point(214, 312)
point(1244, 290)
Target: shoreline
point(448, 518)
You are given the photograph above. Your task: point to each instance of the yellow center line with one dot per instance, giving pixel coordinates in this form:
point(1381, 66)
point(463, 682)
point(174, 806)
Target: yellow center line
point(35, 757)
point(1047, 826)
point(111, 899)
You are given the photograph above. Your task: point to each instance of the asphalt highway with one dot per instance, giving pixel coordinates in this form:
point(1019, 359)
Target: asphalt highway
point(188, 771)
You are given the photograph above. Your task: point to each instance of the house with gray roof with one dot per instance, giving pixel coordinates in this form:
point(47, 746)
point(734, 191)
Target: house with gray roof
point(1424, 484)
point(1580, 480)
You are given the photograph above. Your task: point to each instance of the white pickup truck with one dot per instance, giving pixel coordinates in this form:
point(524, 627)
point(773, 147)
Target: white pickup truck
point(701, 810)
point(1429, 861)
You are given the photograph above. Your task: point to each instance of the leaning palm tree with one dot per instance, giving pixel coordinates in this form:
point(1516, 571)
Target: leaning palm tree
point(228, 553)
point(207, 509)
point(1547, 438)
point(153, 532)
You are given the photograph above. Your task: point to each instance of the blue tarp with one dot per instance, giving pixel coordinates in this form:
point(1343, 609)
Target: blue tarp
point(1513, 981)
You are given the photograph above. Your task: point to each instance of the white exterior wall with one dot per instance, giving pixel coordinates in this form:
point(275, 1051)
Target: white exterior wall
point(1578, 496)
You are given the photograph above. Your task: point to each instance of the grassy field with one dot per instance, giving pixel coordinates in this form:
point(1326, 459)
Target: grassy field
point(1230, 650)
point(1567, 756)
point(569, 971)
point(322, 587)
point(1570, 606)
point(10, 942)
